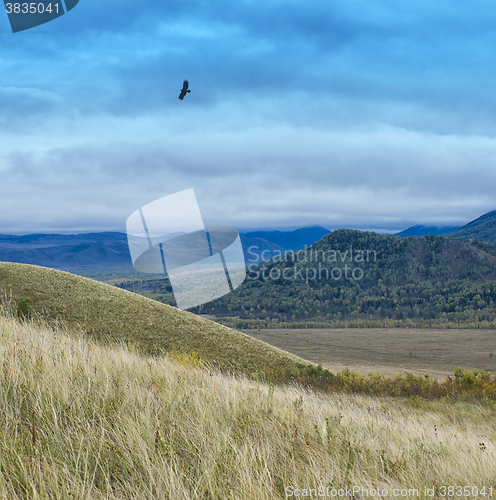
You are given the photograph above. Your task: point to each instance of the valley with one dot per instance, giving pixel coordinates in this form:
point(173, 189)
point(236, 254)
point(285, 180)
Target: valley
point(388, 351)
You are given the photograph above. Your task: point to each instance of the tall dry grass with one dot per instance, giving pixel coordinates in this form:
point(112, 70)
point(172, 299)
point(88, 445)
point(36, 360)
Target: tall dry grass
point(85, 421)
point(107, 312)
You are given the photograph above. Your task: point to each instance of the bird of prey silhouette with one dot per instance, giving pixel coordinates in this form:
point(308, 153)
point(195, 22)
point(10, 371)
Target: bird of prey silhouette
point(184, 90)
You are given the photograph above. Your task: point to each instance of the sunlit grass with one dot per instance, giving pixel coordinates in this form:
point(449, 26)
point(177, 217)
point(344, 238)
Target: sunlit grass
point(89, 421)
point(106, 312)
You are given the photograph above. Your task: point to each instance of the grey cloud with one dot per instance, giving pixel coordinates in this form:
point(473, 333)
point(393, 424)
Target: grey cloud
point(264, 176)
point(342, 113)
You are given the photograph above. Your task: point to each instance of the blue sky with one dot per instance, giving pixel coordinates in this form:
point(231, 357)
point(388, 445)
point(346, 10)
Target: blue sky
point(360, 113)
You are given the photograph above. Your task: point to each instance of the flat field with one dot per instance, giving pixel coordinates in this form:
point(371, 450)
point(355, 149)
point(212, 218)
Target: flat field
point(389, 351)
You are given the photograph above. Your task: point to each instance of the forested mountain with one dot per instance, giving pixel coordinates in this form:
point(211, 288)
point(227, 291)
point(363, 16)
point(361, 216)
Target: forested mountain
point(356, 278)
point(482, 228)
point(347, 278)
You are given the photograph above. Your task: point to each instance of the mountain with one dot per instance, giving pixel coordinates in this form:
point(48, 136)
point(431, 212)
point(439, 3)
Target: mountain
point(109, 250)
point(76, 251)
point(362, 279)
point(482, 228)
point(59, 239)
point(256, 249)
point(426, 230)
point(291, 240)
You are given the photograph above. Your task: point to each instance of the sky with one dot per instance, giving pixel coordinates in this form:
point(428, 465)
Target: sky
point(366, 114)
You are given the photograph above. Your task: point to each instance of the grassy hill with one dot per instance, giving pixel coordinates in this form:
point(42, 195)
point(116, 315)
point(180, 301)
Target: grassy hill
point(108, 312)
point(89, 421)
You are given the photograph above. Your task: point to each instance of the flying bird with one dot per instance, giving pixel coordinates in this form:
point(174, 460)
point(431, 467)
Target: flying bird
point(184, 90)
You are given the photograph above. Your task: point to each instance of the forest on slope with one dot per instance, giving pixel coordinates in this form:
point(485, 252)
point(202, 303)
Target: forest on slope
point(362, 279)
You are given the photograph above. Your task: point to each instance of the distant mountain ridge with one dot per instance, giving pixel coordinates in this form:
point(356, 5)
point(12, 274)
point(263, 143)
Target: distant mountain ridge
point(420, 231)
point(257, 249)
point(292, 240)
point(51, 239)
point(483, 228)
point(93, 250)
point(109, 250)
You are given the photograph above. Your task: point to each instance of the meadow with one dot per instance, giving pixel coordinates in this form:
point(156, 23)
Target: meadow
point(84, 420)
point(109, 314)
point(390, 351)
point(107, 394)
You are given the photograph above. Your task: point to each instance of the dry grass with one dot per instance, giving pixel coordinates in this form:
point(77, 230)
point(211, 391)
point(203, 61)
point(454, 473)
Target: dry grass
point(389, 351)
point(106, 312)
point(86, 421)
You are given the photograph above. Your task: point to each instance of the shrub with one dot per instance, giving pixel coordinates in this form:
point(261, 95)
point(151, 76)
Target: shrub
point(22, 309)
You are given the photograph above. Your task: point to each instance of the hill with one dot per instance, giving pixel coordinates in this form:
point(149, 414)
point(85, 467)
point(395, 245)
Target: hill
point(483, 228)
point(426, 230)
point(106, 312)
point(82, 420)
point(356, 278)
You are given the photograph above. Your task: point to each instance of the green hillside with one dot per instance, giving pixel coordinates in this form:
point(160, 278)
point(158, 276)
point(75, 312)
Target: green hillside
point(108, 312)
point(483, 228)
point(356, 278)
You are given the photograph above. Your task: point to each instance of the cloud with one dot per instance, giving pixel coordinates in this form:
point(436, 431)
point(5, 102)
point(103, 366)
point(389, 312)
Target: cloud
point(365, 114)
